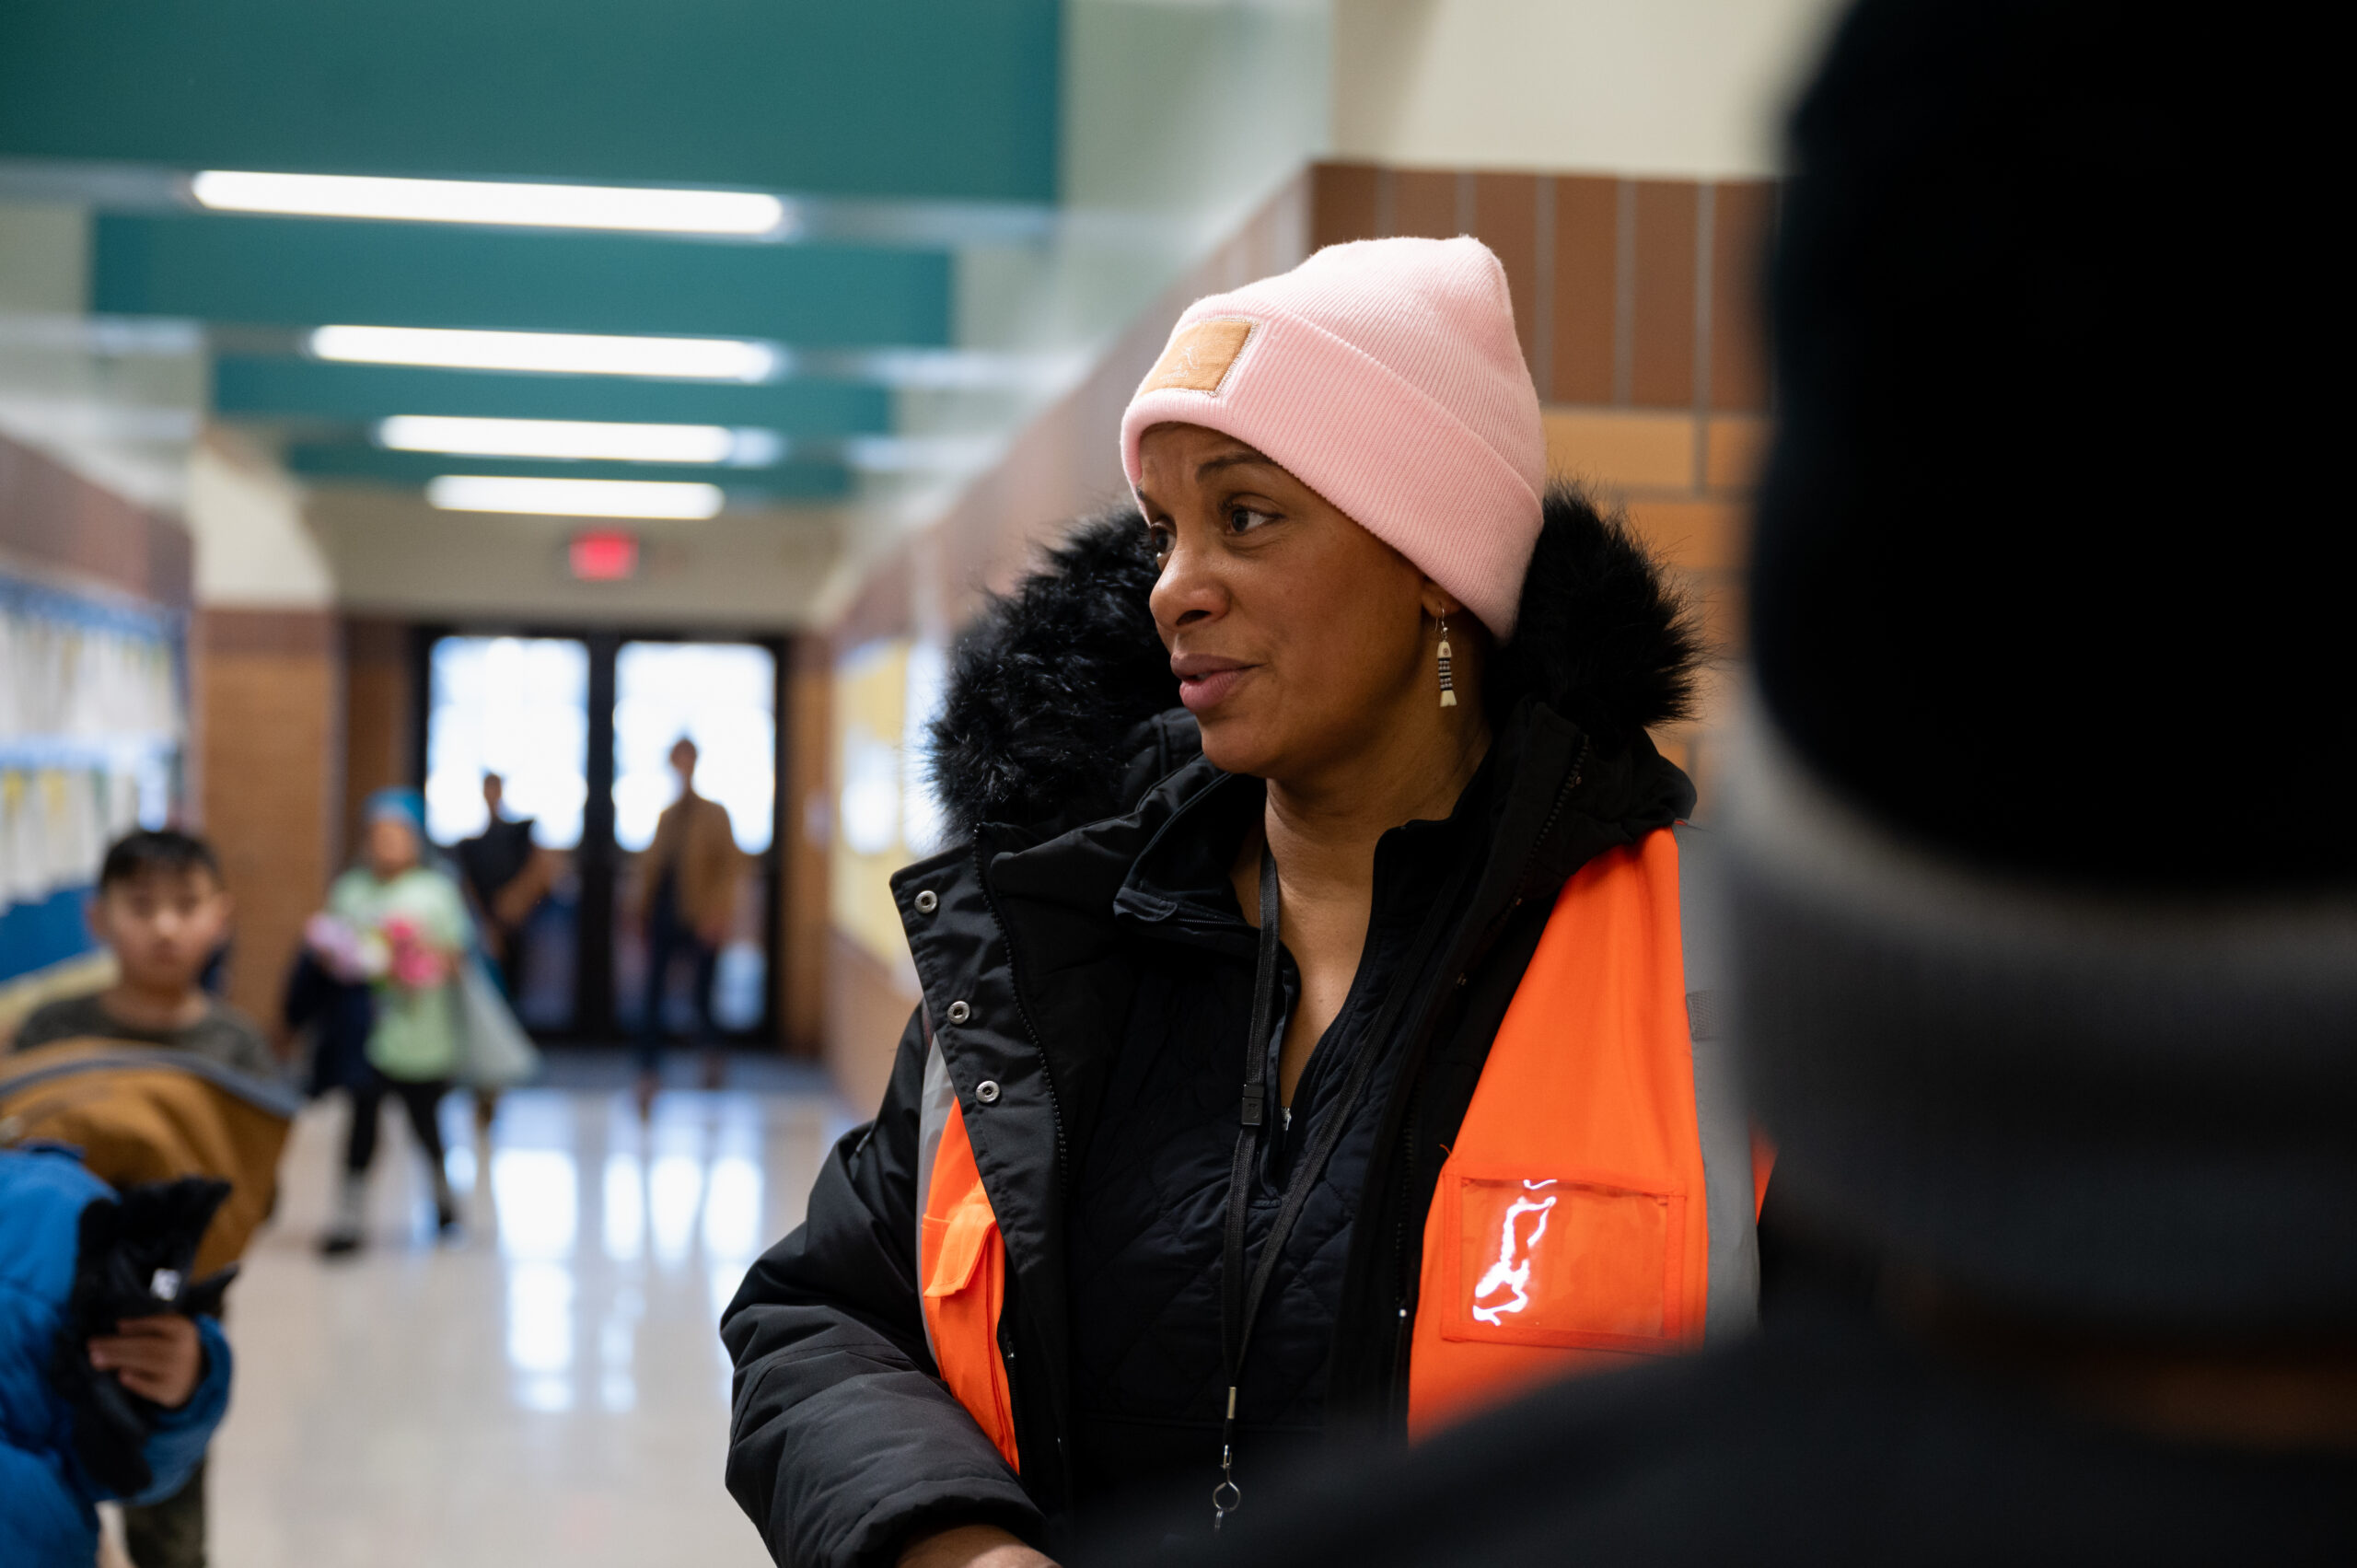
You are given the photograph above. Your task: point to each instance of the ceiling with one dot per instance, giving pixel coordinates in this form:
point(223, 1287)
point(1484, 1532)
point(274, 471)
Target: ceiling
point(897, 130)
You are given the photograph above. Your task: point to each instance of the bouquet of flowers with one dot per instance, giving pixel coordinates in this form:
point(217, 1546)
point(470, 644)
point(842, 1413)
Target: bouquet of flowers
point(412, 959)
point(398, 952)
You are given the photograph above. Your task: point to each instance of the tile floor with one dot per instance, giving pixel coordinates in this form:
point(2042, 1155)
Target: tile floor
point(549, 1387)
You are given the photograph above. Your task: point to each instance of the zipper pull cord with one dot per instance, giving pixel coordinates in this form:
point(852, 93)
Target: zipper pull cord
point(1227, 1495)
point(1239, 1306)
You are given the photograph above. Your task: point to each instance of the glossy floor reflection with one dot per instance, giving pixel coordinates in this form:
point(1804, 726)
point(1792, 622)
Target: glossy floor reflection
point(547, 1388)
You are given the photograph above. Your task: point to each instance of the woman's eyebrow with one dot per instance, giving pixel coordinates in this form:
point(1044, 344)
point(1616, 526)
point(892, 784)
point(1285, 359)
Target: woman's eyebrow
point(1229, 459)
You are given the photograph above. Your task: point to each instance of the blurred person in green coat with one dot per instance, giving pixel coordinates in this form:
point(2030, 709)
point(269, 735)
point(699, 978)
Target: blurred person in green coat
point(401, 924)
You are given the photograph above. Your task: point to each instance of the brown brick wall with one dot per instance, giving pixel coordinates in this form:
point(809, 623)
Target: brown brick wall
point(54, 518)
point(803, 936)
point(1583, 293)
point(268, 685)
point(1743, 217)
point(1506, 218)
point(380, 718)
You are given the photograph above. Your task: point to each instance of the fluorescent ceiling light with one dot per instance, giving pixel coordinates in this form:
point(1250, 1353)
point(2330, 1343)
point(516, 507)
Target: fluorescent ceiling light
point(580, 438)
point(573, 497)
point(578, 353)
point(917, 453)
point(483, 200)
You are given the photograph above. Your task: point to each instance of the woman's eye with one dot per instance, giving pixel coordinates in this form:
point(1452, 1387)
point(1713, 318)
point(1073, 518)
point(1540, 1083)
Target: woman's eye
point(1244, 519)
point(1158, 545)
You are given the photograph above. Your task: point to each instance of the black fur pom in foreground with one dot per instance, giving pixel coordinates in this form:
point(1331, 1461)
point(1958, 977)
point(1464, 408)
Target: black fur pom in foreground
point(1050, 682)
point(1601, 638)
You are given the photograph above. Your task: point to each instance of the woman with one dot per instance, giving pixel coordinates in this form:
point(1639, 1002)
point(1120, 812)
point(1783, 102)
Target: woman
point(401, 926)
point(1315, 1055)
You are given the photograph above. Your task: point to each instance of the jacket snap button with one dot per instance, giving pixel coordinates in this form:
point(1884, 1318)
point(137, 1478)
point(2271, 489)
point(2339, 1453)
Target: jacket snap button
point(928, 902)
point(987, 1091)
point(960, 1012)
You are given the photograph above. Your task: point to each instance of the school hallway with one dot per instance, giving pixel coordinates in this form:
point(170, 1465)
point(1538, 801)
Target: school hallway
point(547, 1387)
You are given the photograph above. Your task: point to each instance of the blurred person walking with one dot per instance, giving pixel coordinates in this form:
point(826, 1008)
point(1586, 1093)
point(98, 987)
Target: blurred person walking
point(2044, 909)
point(1312, 985)
point(400, 925)
point(686, 898)
point(506, 876)
point(163, 911)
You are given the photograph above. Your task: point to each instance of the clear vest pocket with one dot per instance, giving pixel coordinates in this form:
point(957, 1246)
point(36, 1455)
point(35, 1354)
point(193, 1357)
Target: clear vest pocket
point(1572, 1260)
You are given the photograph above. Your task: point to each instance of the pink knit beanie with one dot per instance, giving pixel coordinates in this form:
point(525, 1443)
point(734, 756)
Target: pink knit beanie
point(1385, 376)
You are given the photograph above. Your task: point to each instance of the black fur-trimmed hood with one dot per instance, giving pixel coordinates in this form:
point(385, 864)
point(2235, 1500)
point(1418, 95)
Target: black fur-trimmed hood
point(1050, 683)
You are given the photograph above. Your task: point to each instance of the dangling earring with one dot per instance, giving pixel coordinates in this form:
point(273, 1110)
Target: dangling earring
point(1447, 680)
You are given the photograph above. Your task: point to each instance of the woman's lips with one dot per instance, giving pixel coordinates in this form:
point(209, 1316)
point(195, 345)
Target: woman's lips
point(1205, 683)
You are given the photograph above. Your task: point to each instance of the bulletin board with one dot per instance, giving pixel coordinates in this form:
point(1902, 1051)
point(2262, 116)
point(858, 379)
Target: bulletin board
point(93, 726)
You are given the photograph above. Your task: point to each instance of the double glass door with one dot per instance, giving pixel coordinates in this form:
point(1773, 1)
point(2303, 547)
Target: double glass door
point(581, 732)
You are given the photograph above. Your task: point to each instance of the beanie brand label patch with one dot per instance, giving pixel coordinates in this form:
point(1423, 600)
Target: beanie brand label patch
point(1198, 359)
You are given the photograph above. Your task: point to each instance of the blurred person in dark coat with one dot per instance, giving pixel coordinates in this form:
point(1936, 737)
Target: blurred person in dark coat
point(2043, 901)
point(506, 876)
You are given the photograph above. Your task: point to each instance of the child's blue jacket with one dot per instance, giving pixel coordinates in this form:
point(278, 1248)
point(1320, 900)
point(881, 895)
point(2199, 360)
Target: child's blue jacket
point(46, 1502)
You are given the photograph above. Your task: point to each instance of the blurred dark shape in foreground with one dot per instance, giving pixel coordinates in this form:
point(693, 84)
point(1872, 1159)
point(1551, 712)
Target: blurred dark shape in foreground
point(2043, 869)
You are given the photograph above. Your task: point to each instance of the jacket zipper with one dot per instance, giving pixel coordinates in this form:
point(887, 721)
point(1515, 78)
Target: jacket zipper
point(1055, 1117)
point(1047, 1074)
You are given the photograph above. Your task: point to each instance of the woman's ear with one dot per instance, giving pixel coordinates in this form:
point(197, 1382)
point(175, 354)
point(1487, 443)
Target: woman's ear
point(1439, 601)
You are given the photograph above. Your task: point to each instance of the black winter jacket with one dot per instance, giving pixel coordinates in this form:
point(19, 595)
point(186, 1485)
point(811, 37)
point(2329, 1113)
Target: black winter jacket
point(1059, 755)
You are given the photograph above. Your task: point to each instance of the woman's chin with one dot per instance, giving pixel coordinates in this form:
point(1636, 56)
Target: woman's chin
point(1234, 744)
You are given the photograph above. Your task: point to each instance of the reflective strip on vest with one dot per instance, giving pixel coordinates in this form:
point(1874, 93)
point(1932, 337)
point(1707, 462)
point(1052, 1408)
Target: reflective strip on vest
point(1598, 1204)
point(1734, 1180)
point(961, 1269)
point(938, 1099)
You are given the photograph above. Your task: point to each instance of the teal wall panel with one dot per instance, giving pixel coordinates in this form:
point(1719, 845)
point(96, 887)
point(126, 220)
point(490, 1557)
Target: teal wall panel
point(788, 481)
point(913, 98)
point(257, 386)
point(298, 271)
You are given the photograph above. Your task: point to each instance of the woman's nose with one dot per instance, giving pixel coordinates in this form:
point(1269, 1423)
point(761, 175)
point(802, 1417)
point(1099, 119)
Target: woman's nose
point(1187, 590)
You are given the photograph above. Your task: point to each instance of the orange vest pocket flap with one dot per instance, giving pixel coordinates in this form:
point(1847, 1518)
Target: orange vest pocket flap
point(1571, 1260)
point(955, 1245)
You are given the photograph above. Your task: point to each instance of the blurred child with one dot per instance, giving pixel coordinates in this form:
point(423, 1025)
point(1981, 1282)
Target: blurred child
point(162, 908)
point(114, 1373)
point(401, 925)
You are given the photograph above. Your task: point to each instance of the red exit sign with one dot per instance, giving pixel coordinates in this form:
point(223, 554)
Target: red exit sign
point(604, 556)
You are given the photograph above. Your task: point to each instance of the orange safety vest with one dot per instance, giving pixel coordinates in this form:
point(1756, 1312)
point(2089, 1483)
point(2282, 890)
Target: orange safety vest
point(962, 1265)
point(1595, 1207)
